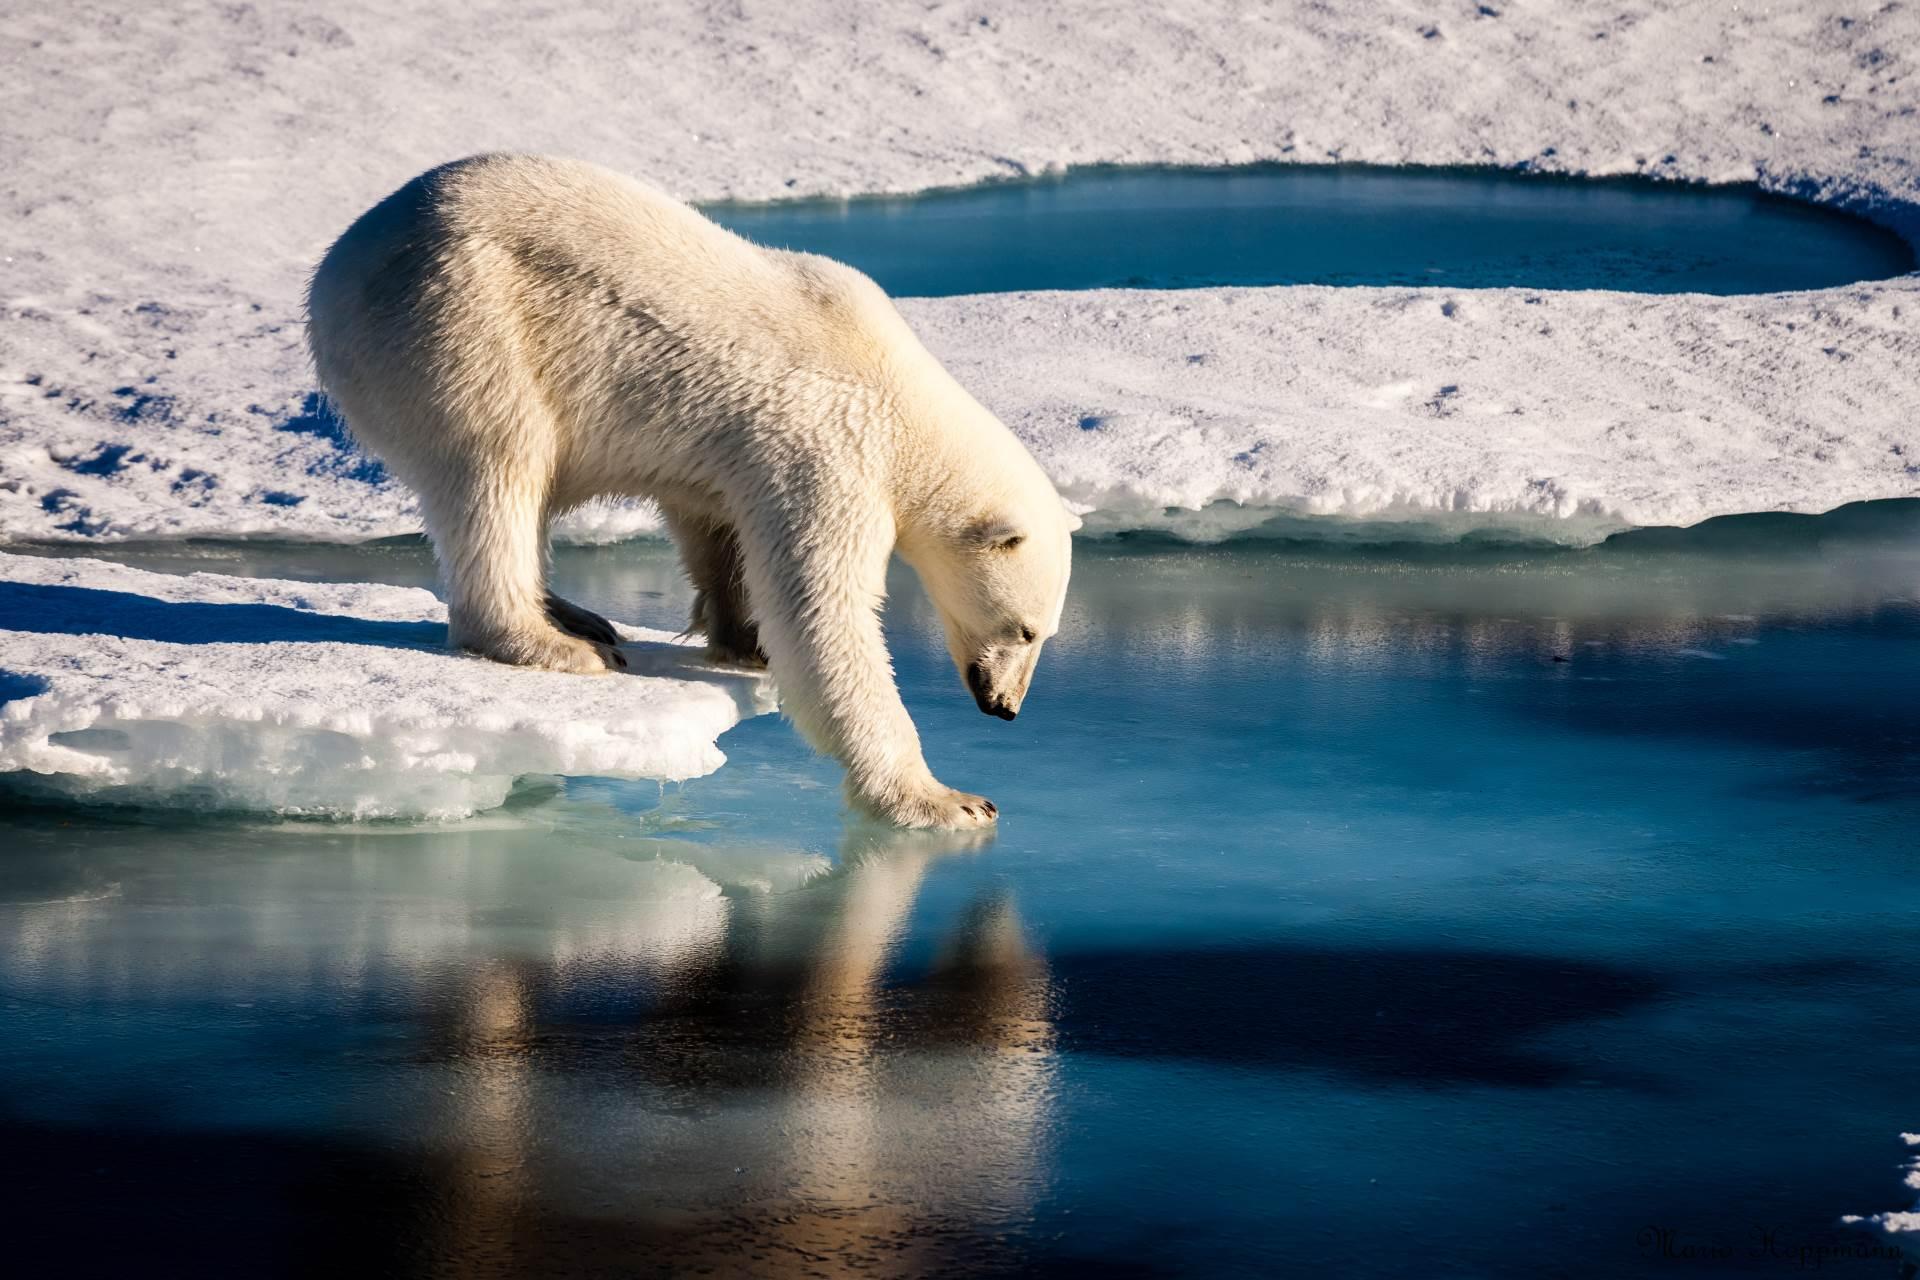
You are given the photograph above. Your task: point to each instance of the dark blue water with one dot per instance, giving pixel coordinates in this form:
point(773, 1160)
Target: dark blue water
point(1334, 225)
point(1369, 914)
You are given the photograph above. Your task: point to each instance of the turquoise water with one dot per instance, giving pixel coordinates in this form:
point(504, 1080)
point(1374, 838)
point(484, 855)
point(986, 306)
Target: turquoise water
point(1332, 225)
point(1421, 912)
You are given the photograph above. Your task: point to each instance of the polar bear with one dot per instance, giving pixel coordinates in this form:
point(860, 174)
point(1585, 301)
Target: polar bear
point(514, 335)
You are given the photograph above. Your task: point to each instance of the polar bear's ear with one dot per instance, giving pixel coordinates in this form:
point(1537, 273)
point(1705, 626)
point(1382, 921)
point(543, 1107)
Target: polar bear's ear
point(995, 533)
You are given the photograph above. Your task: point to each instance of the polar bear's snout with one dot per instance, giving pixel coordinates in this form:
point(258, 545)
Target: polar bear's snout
point(999, 676)
point(994, 704)
point(999, 594)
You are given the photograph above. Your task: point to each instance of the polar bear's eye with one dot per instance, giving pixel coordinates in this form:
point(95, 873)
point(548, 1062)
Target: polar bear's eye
point(994, 533)
point(1027, 634)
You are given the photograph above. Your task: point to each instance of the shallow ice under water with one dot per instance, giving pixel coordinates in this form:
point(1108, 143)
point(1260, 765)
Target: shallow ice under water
point(1416, 912)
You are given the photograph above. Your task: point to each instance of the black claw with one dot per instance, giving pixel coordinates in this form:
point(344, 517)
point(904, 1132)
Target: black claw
point(967, 809)
point(574, 620)
point(992, 810)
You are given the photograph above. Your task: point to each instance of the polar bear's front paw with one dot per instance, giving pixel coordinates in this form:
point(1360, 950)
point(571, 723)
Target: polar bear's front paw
point(736, 652)
point(943, 809)
point(732, 638)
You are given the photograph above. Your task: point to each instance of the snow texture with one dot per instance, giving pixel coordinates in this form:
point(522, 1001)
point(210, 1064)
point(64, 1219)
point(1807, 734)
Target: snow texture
point(320, 699)
point(1558, 415)
point(175, 170)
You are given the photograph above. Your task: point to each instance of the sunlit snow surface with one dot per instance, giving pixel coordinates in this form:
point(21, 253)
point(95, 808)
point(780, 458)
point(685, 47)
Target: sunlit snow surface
point(336, 700)
point(177, 173)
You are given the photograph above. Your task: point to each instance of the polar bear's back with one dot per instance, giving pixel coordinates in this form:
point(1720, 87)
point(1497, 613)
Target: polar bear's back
point(544, 306)
point(585, 280)
point(577, 223)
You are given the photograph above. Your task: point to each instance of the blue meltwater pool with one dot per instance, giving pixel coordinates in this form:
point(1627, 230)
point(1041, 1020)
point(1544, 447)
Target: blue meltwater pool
point(1332, 225)
point(1420, 913)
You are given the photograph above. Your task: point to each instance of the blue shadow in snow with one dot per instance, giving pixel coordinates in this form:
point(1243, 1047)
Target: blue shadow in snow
point(317, 417)
point(84, 611)
point(88, 611)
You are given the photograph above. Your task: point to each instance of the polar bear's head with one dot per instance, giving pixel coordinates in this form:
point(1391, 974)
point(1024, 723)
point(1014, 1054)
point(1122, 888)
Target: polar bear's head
point(999, 581)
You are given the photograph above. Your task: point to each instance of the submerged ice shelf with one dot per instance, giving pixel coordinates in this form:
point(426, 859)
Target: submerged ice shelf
point(323, 699)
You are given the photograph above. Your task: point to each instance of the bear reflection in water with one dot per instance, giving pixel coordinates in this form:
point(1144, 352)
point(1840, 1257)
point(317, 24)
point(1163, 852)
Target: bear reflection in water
point(782, 1103)
point(598, 1058)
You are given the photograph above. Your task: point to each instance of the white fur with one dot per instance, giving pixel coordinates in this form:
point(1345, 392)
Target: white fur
point(515, 335)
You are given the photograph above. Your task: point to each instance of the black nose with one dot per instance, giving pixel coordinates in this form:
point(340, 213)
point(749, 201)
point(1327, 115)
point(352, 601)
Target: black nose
point(983, 697)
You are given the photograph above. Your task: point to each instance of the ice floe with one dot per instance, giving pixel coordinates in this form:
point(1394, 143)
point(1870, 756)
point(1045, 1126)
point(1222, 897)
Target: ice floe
point(323, 699)
point(1554, 415)
point(175, 175)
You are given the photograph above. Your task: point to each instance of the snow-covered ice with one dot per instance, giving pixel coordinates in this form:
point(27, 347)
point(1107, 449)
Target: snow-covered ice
point(324, 699)
point(1558, 415)
point(174, 172)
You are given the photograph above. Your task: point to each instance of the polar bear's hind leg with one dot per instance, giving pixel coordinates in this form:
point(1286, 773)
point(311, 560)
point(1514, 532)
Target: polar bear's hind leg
point(487, 515)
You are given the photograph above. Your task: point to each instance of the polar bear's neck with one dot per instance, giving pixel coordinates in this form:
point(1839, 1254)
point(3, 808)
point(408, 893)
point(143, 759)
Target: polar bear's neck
point(953, 458)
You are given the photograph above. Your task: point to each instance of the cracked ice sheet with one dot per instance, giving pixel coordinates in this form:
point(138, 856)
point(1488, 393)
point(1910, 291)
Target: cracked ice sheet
point(324, 699)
